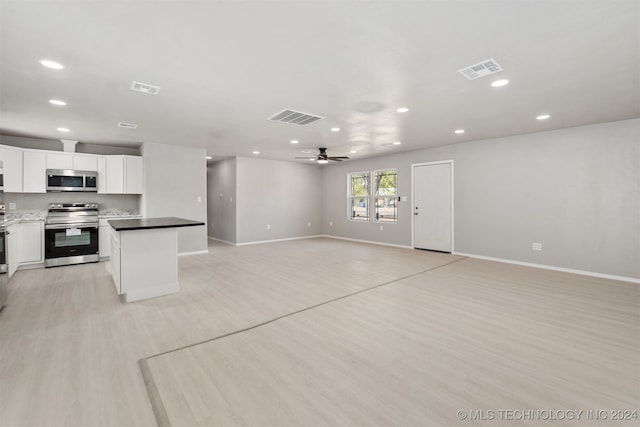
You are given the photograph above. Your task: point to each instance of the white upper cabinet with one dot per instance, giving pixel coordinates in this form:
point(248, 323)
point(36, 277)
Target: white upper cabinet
point(25, 170)
point(124, 175)
point(102, 174)
point(34, 172)
point(59, 161)
point(132, 175)
point(86, 162)
point(115, 174)
point(82, 162)
point(12, 165)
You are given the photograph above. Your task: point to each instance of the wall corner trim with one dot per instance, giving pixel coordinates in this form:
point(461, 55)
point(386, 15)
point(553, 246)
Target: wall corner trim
point(551, 267)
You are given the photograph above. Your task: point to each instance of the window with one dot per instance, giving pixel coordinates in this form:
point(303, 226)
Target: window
point(386, 195)
point(359, 196)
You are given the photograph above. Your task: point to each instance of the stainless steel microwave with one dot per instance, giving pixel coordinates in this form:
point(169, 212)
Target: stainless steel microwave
point(71, 180)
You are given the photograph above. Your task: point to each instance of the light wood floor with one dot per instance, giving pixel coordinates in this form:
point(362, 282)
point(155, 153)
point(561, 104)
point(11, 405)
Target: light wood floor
point(435, 334)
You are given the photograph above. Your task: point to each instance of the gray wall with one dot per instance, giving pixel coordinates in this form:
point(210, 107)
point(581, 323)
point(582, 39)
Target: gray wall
point(221, 200)
point(174, 178)
point(576, 191)
point(284, 195)
point(56, 145)
point(39, 201)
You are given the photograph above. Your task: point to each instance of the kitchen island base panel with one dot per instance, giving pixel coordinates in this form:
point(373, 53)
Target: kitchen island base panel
point(148, 263)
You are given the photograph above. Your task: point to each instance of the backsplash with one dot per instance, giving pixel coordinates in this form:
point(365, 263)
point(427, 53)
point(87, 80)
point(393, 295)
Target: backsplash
point(41, 201)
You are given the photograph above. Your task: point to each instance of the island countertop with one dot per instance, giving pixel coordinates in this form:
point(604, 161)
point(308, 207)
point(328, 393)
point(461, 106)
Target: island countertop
point(151, 223)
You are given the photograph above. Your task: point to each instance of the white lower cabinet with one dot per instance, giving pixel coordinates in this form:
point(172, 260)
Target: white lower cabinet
point(115, 259)
point(30, 246)
point(12, 244)
point(104, 239)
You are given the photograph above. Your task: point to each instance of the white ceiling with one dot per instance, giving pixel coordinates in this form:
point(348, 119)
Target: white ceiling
point(224, 67)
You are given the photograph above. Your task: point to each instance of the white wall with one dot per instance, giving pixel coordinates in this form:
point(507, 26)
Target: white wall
point(221, 199)
point(174, 178)
point(576, 191)
point(283, 195)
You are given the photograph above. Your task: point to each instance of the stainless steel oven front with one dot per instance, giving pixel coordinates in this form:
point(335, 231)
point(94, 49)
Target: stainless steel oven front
point(65, 245)
point(71, 234)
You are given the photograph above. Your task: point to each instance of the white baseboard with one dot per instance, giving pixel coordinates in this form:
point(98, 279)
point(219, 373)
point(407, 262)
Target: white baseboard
point(221, 241)
point(193, 253)
point(156, 291)
point(366, 241)
point(259, 242)
point(30, 266)
point(550, 267)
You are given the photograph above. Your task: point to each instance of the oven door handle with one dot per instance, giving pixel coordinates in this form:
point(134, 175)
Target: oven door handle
point(65, 226)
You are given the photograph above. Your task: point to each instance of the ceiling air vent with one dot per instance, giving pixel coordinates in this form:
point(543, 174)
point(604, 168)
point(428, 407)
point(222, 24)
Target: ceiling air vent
point(295, 117)
point(127, 125)
point(481, 69)
point(145, 88)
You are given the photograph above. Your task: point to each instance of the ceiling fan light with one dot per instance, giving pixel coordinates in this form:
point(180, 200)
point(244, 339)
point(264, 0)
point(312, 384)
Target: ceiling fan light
point(323, 161)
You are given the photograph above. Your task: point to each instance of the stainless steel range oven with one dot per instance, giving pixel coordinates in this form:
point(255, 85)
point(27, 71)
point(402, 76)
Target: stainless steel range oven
point(71, 234)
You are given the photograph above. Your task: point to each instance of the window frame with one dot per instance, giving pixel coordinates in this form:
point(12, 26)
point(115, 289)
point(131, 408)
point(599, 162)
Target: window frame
point(375, 196)
point(350, 196)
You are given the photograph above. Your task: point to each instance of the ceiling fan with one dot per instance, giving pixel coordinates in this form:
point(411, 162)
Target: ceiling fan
point(323, 158)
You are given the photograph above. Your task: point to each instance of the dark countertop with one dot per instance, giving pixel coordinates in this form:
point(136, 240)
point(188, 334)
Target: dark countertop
point(151, 223)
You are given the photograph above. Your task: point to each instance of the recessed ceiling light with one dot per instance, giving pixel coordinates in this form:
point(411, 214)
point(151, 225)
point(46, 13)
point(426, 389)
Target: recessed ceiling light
point(57, 102)
point(335, 129)
point(402, 110)
point(353, 151)
point(397, 143)
point(499, 83)
point(294, 141)
point(543, 117)
point(256, 152)
point(63, 129)
point(313, 160)
point(52, 64)
point(208, 157)
point(323, 161)
point(458, 131)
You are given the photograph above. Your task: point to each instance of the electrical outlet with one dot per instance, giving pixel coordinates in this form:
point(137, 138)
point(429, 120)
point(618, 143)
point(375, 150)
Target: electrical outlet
point(381, 227)
point(199, 199)
point(536, 246)
point(309, 224)
point(330, 223)
point(12, 206)
point(268, 226)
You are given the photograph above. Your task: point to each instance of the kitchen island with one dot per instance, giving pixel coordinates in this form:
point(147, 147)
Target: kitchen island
point(144, 256)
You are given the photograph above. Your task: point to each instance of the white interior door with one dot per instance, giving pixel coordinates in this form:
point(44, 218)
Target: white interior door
point(433, 195)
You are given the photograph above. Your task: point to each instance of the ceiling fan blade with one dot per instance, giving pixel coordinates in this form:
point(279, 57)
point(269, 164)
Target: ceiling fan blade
point(339, 158)
point(305, 158)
